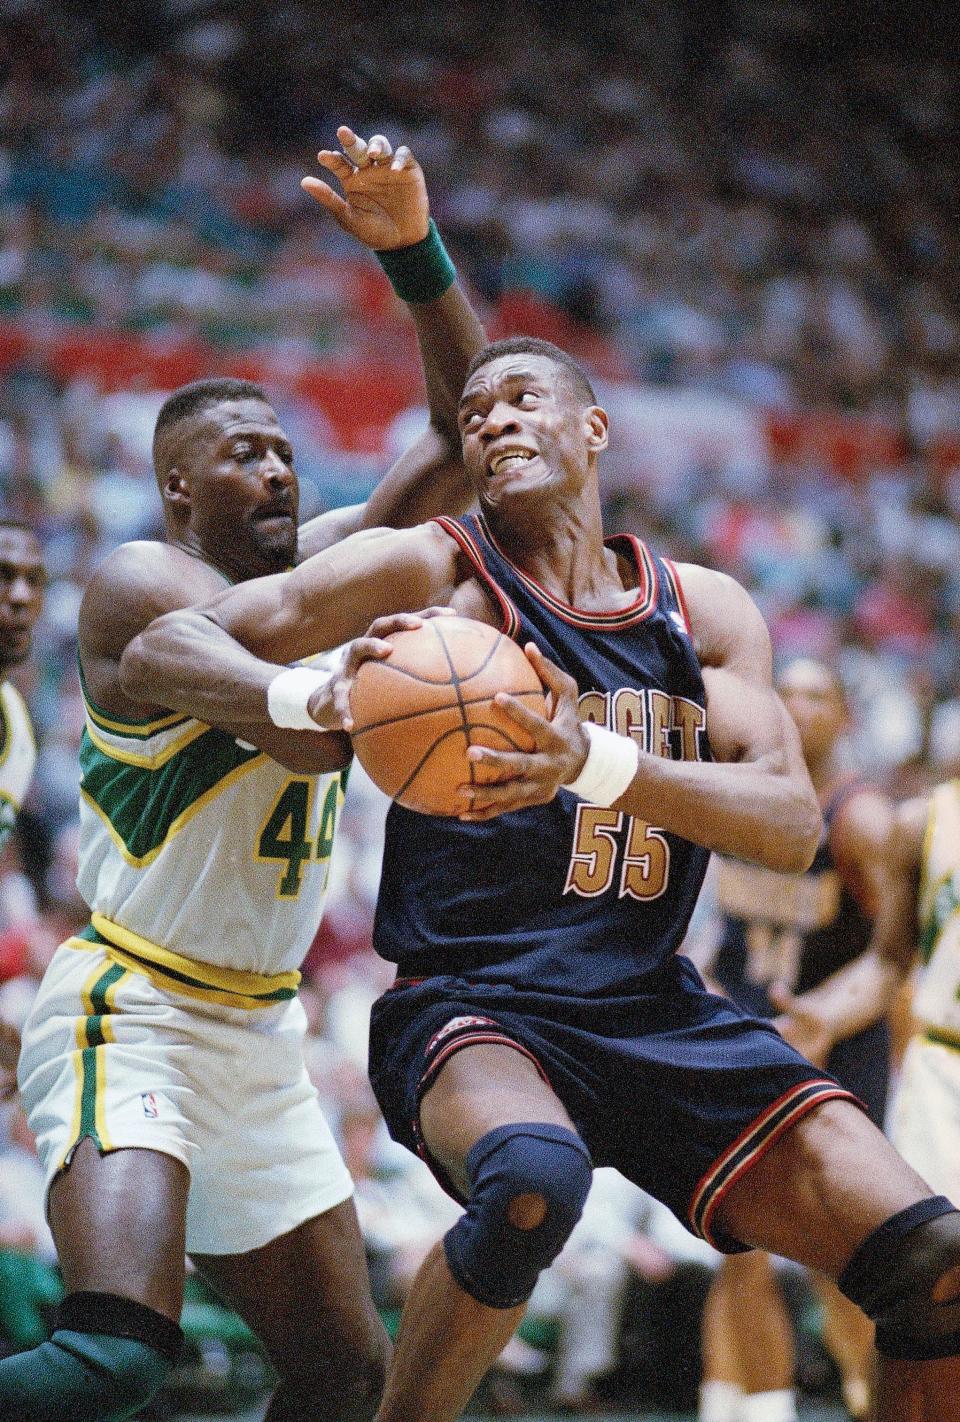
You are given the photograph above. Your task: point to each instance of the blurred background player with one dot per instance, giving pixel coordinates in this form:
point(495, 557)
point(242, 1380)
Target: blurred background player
point(162, 1066)
point(782, 935)
point(22, 581)
point(925, 871)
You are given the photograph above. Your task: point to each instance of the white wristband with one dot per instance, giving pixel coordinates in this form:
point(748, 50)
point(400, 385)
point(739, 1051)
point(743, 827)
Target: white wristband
point(288, 694)
point(610, 766)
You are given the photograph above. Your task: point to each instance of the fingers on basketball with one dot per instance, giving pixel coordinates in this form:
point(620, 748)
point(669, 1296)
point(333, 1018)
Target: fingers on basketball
point(417, 713)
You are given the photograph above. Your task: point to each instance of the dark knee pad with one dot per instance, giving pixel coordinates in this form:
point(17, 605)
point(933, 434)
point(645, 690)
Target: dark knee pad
point(495, 1261)
point(108, 1356)
point(892, 1274)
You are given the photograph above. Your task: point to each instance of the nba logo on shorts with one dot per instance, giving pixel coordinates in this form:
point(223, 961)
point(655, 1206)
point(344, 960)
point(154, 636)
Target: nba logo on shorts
point(151, 1104)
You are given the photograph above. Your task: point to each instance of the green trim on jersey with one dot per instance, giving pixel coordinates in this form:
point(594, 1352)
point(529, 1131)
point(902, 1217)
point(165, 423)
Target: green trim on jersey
point(142, 807)
point(129, 725)
point(150, 965)
point(944, 902)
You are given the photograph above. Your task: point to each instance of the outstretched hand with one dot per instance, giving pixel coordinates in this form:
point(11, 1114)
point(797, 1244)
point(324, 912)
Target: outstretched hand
point(384, 202)
point(512, 780)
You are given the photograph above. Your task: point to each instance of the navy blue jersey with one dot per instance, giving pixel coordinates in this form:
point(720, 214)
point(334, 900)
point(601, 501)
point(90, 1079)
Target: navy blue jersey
point(795, 929)
point(566, 897)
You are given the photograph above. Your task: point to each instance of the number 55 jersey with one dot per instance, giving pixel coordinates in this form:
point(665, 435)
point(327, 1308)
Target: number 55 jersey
point(566, 896)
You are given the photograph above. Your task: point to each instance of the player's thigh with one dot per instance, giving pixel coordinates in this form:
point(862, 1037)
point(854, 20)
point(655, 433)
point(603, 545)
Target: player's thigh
point(478, 1089)
point(118, 1224)
point(818, 1192)
point(306, 1294)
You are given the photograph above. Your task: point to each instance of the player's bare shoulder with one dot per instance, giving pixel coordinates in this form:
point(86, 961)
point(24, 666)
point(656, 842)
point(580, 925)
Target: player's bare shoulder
point(134, 584)
point(726, 625)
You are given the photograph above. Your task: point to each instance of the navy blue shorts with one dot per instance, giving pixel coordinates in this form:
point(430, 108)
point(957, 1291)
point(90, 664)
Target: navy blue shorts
point(677, 1088)
point(860, 1063)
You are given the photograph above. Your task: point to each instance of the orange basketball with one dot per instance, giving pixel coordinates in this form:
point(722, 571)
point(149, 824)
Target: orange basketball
point(417, 713)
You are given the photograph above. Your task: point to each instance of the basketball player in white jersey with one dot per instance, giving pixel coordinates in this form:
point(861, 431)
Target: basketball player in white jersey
point(162, 1066)
point(925, 1123)
point(920, 920)
point(22, 581)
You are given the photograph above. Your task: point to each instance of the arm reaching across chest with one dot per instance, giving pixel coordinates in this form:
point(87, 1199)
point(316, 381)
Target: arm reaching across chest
point(223, 657)
point(136, 584)
point(755, 800)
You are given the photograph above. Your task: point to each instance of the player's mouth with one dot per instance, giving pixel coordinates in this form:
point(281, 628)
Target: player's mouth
point(281, 509)
point(508, 460)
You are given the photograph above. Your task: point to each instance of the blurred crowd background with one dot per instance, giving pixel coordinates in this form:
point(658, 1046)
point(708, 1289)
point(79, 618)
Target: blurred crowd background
point(742, 217)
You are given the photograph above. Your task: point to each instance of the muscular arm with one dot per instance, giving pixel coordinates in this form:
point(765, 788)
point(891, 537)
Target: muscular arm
point(856, 996)
point(755, 800)
point(137, 583)
point(429, 477)
point(221, 658)
point(385, 206)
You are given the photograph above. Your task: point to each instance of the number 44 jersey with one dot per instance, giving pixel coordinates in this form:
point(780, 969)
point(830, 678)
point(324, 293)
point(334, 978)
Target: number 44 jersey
point(566, 897)
point(200, 845)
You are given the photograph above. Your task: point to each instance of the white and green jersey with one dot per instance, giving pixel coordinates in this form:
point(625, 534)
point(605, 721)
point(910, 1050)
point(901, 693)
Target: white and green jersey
point(937, 999)
point(18, 756)
point(199, 846)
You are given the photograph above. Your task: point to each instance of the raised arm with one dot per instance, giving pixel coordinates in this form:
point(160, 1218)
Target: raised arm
point(219, 659)
point(384, 204)
point(755, 799)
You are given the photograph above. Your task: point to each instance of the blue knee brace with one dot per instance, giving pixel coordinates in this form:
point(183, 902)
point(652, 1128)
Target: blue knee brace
point(892, 1274)
point(498, 1262)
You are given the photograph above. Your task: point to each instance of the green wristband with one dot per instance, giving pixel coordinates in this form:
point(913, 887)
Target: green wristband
point(422, 272)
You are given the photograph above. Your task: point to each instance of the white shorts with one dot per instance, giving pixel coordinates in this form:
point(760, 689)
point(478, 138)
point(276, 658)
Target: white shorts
point(925, 1117)
point(108, 1053)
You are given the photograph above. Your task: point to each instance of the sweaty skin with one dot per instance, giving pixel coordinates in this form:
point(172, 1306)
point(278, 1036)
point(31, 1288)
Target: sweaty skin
point(229, 488)
point(531, 445)
point(755, 801)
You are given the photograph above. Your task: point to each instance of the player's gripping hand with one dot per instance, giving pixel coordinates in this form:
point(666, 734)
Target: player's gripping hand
point(801, 1025)
point(512, 780)
point(372, 646)
point(384, 202)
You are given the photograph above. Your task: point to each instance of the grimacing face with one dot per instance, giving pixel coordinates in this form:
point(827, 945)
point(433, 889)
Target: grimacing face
point(244, 493)
point(524, 431)
point(22, 583)
point(815, 701)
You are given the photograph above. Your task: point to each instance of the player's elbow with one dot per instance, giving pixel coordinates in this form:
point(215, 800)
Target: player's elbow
point(146, 659)
point(794, 848)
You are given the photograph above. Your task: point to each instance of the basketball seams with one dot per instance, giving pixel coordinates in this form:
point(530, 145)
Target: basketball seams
point(389, 666)
point(444, 736)
point(467, 701)
point(418, 730)
point(455, 681)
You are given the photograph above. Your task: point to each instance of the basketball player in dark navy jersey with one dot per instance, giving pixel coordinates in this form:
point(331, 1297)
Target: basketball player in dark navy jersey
point(581, 904)
point(783, 936)
point(523, 1043)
